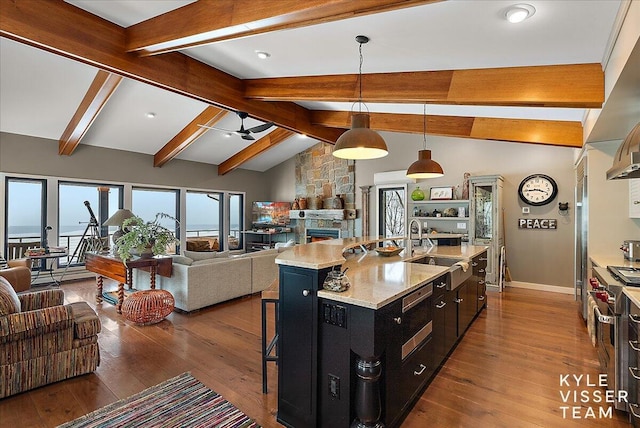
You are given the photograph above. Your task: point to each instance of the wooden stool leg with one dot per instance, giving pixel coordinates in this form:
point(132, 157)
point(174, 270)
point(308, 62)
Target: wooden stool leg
point(99, 291)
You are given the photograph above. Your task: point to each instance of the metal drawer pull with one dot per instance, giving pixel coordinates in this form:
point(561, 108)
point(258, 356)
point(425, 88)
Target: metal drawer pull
point(422, 369)
point(634, 345)
point(458, 300)
point(441, 285)
point(474, 264)
point(481, 282)
point(305, 293)
point(634, 409)
point(634, 318)
point(397, 320)
point(481, 298)
point(441, 305)
point(480, 270)
point(483, 259)
point(634, 372)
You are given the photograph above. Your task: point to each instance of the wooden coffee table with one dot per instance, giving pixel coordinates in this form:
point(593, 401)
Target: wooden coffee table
point(111, 266)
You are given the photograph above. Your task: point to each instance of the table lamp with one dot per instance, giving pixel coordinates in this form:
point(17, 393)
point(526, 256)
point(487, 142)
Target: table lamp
point(116, 220)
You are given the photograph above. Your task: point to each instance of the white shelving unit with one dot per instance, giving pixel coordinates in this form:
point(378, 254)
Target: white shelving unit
point(442, 223)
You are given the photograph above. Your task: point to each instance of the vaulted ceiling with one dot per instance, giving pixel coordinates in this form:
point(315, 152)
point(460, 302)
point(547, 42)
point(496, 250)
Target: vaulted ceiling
point(90, 72)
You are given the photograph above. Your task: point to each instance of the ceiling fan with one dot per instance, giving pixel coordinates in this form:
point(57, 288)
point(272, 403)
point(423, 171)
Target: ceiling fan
point(245, 134)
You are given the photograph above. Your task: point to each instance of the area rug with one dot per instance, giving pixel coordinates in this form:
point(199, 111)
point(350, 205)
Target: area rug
point(179, 402)
point(112, 296)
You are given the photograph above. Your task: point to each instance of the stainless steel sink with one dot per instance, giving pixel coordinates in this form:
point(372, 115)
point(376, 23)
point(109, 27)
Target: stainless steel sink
point(458, 276)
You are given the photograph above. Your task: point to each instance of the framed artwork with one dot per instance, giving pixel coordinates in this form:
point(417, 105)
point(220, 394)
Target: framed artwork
point(441, 193)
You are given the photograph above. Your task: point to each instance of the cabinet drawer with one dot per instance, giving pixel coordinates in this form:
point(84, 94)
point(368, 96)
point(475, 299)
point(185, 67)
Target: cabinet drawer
point(416, 370)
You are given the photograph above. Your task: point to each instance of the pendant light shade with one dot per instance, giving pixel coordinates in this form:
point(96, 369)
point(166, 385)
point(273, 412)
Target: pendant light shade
point(360, 142)
point(425, 167)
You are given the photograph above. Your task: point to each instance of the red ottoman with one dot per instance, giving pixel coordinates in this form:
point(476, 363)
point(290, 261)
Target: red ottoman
point(148, 306)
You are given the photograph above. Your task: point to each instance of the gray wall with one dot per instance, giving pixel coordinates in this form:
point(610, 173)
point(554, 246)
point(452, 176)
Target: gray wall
point(39, 156)
point(534, 256)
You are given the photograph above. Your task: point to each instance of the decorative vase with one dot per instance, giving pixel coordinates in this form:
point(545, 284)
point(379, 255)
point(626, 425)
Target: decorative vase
point(303, 203)
point(319, 202)
point(417, 194)
point(337, 203)
point(295, 205)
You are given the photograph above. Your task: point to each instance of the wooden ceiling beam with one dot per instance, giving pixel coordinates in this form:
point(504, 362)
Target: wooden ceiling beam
point(569, 86)
point(190, 133)
point(270, 140)
point(208, 21)
point(101, 89)
point(66, 30)
point(550, 132)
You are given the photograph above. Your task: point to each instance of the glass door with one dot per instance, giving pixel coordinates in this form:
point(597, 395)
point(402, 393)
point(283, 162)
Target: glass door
point(483, 216)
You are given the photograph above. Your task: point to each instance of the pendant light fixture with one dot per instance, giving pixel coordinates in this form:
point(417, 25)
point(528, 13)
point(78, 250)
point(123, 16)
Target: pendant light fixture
point(425, 167)
point(360, 142)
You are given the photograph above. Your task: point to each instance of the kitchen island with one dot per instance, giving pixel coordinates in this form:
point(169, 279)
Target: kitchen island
point(364, 355)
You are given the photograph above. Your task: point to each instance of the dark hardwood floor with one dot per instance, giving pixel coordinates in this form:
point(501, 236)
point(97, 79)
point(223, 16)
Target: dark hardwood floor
point(504, 373)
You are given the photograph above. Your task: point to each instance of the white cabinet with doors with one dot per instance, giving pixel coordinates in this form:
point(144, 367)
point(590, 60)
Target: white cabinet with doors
point(634, 198)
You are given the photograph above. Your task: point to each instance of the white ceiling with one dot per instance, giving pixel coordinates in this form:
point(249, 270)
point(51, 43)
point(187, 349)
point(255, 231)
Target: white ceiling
point(40, 91)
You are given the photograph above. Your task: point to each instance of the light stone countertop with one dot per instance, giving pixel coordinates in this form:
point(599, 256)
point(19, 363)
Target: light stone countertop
point(612, 259)
point(633, 293)
point(375, 280)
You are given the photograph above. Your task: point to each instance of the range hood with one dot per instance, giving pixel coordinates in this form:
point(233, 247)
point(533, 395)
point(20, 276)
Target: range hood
point(626, 162)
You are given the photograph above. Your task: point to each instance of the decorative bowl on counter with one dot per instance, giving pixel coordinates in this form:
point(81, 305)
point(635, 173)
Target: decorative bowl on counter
point(389, 251)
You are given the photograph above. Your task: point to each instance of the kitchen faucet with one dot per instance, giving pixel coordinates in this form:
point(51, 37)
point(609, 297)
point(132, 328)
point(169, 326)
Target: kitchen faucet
point(410, 246)
point(410, 243)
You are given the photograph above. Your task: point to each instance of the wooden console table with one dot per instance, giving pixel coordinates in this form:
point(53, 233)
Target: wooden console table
point(112, 267)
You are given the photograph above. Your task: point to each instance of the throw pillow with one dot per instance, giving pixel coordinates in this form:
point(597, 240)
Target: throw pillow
point(9, 302)
point(200, 255)
point(181, 260)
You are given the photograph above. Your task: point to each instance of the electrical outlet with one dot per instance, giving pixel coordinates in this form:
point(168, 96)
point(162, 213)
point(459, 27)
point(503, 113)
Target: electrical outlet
point(334, 386)
point(525, 210)
point(462, 225)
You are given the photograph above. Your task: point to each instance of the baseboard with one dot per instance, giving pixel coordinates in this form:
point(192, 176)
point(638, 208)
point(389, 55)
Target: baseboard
point(540, 287)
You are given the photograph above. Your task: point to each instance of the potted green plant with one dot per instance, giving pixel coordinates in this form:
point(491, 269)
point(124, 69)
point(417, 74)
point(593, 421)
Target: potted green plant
point(145, 239)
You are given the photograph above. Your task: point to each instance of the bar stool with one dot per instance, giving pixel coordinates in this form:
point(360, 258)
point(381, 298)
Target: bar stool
point(269, 351)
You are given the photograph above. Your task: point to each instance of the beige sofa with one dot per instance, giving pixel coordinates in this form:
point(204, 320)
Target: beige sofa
point(214, 278)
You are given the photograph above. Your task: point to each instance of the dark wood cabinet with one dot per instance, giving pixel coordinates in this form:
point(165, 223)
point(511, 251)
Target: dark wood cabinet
point(466, 301)
point(297, 346)
point(479, 265)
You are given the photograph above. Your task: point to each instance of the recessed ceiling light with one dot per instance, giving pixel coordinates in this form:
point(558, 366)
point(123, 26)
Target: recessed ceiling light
point(519, 12)
point(228, 134)
point(262, 54)
point(303, 135)
point(150, 115)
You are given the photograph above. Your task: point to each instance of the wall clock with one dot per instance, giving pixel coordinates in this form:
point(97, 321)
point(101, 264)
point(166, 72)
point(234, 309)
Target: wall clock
point(538, 189)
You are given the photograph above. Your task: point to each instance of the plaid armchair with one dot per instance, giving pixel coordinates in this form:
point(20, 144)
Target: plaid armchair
point(42, 340)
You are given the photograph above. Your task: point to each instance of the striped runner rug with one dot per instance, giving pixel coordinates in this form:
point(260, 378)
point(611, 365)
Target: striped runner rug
point(179, 402)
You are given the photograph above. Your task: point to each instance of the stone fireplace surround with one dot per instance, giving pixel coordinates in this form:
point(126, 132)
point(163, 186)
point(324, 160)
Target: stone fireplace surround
point(319, 173)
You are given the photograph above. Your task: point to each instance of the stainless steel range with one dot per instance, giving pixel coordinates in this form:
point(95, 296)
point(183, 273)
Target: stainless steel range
point(629, 276)
point(611, 333)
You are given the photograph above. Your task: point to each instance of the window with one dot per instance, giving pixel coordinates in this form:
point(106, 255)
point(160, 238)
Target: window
point(147, 202)
point(26, 215)
point(82, 208)
point(391, 211)
point(236, 220)
point(204, 214)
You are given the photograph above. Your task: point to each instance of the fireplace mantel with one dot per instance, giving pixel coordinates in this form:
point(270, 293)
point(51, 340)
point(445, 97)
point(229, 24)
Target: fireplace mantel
point(322, 214)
